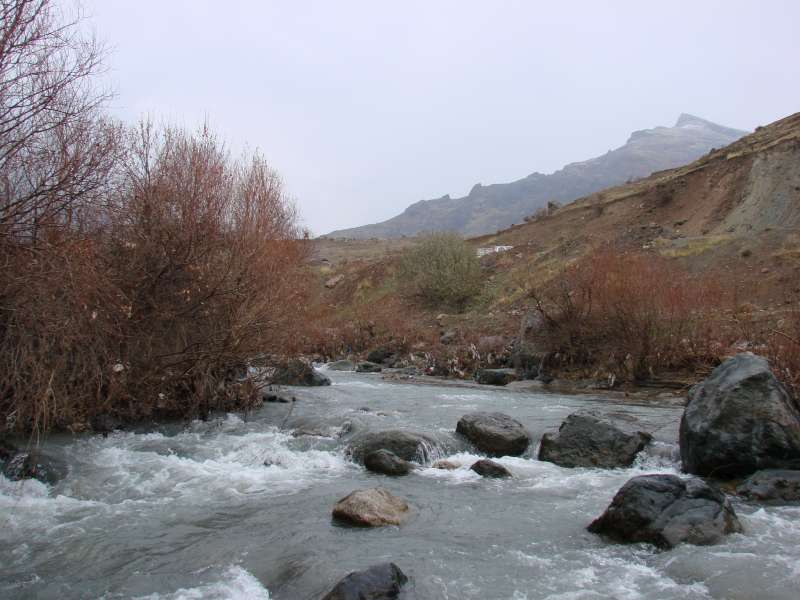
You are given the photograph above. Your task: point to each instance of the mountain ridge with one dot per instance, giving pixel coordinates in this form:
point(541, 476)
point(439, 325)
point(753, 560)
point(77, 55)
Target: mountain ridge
point(488, 208)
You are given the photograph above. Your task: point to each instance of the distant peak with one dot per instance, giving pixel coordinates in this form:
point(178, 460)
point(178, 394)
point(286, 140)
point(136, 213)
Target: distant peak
point(687, 119)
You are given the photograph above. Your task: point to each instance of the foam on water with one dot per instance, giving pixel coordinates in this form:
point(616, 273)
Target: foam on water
point(236, 584)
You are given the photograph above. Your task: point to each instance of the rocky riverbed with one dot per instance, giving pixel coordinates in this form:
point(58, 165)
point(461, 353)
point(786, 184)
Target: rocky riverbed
point(242, 508)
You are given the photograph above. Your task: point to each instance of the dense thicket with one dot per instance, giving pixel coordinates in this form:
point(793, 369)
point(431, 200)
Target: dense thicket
point(140, 268)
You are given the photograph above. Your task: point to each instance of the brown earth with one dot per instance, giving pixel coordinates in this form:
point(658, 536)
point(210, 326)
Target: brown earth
point(733, 213)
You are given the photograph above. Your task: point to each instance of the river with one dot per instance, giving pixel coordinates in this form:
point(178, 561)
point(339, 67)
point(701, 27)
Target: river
point(194, 512)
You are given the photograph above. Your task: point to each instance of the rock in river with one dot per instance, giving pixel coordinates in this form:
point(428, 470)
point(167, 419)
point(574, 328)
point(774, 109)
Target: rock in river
point(496, 434)
point(34, 465)
point(406, 445)
point(666, 510)
point(772, 485)
point(738, 421)
point(588, 440)
point(489, 468)
point(387, 463)
point(379, 582)
point(495, 376)
point(296, 372)
point(373, 507)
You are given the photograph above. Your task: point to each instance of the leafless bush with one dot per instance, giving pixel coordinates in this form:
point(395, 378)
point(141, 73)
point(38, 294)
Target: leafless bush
point(633, 314)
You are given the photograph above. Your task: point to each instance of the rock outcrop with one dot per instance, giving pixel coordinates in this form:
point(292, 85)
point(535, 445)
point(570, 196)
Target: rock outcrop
point(772, 485)
point(588, 440)
point(495, 376)
point(378, 582)
point(496, 434)
point(387, 463)
point(406, 445)
point(665, 510)
point(738, 421)
point(296, 372)
point(373, 507)
point(489, 468)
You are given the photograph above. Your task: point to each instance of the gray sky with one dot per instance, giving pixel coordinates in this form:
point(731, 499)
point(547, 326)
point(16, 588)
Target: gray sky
point(366, 107)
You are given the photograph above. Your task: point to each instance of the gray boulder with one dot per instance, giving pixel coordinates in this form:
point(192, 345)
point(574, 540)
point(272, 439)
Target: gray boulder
point(34, 465)
point(378, 582)
point(495, 376)
point(296, 372)
point(342, 365)
point(373, 507)
point(387, 463)
point(381, 356)
point(665, 510)
point(496, 434)
point(587, 440)
point(489, 468)
point(406, 445)
point(772, 485)
point(738, 421)
point(368, 367)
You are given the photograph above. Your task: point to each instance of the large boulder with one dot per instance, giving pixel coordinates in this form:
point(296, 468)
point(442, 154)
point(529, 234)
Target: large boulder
point(373, 507)
point(342, 365)
point(296, 372)
point(387, 463)
point(381, 356)
point(738, 421)
point(34, 465)
point(587, 440)
point(489, 468)
point(368, 367)
point(379, 582)
point(496, 434)
point(495, 376)
point(665, 510)
point(406, 445)
point(772, 485)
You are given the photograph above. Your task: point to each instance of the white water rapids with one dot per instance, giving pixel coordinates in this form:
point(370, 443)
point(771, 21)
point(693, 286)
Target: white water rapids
point(194, 512)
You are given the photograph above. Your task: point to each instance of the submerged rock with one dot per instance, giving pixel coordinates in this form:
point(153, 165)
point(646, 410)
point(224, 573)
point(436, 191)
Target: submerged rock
point(495, 376)
point(296, 372)
point(665, 510)
point(34, 465)
point(269, 396)
point(496, 434)
point(368, 367)
point(772, 485)
point(342, 365)
point(445, 465)
point(587, 440)
point(406, 445)
point(489, 468)
point(738, 421)
point(373, 507)
point(387, 463)
point(378, 582)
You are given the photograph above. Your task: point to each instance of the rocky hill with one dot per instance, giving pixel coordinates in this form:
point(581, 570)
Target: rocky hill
point(488, 208)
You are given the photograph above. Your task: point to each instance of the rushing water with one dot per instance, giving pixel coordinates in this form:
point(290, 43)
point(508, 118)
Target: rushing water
point(195, 513)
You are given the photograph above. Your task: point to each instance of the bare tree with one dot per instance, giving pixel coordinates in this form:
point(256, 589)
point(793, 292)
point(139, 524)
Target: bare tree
point(55, 148)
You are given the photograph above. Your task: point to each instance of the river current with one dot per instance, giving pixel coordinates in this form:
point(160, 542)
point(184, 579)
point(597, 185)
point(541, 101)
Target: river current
point(235, 508)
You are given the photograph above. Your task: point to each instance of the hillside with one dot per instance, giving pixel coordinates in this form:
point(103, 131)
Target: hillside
point(489, 208)
point(732, 216)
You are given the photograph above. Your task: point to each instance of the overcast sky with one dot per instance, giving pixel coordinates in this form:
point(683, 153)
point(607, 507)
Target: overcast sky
point(366, 107)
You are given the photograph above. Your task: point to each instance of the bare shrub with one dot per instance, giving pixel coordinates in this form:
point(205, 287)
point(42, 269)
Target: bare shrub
point(442, 271)
point(633, 314)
